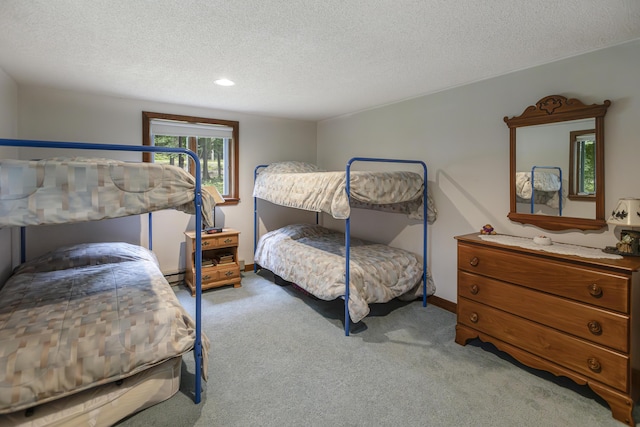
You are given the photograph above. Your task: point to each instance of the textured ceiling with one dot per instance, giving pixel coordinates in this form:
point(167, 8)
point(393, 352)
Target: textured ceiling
point(305, 59)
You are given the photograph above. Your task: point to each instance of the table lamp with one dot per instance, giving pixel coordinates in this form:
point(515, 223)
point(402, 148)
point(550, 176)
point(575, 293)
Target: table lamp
point(626, 214)
point(218, 199)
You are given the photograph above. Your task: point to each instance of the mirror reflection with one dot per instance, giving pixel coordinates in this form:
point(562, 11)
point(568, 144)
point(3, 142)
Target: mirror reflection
point(551, 157)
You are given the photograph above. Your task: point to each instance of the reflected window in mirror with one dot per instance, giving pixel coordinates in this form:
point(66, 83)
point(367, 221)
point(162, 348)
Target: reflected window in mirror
point(582, 180)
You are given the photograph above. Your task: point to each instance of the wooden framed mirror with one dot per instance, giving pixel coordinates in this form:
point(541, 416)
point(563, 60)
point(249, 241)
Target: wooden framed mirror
point(556, 167)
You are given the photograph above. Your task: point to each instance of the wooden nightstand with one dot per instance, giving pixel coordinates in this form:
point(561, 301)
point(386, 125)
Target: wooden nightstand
point(220, 265)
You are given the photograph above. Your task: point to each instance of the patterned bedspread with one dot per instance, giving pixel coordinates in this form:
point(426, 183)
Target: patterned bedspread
point(312, 257)
point(63, 190)
point(305, 186)
point(63, 329)
point(544, 190)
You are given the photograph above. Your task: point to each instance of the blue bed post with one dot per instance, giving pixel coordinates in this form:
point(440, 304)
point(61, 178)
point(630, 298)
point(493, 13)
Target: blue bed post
point(197, 348)
point(347, 233)
point(255, 216)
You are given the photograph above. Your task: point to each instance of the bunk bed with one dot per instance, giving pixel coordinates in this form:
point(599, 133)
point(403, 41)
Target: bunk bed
point(92, 333)
point(332, 265)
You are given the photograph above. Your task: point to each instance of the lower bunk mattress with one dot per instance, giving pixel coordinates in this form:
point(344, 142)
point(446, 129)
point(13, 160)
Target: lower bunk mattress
point(313, 257)
point(84, 316)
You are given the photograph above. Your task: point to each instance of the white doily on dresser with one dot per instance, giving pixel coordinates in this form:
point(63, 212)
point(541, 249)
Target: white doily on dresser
point(557, 248)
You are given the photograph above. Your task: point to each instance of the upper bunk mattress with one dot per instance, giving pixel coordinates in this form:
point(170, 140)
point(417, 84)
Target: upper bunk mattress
point(64, 329)
point(305, 186)
point(64, 190)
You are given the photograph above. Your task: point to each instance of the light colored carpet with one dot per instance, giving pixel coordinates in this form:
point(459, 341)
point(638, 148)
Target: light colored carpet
point(280, 358)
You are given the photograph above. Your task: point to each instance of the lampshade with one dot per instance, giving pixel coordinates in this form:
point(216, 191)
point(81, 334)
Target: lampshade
point(627, 212)
point(215, 193)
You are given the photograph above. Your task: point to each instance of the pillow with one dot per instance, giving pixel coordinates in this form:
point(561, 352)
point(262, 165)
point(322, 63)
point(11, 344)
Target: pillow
point(85, 254)
point(292, 167)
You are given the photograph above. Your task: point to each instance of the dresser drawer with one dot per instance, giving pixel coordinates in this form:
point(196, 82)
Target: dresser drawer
point(594, 324)
point(601, 364)
point(595, 287)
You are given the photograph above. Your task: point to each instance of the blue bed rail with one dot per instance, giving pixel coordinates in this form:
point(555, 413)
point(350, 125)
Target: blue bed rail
point(197, 348)
point(347, 234)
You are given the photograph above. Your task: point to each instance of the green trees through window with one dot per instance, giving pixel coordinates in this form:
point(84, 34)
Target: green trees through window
point(215, 141)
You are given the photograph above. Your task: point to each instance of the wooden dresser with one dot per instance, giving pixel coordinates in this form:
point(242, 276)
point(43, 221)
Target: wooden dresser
point(220, 265)
point(572, 316)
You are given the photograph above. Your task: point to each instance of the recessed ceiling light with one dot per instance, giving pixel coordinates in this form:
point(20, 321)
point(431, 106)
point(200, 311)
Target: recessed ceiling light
point(224, 82)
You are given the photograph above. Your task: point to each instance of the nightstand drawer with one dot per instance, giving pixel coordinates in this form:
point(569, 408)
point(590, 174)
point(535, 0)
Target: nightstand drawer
point(219, 242)
point(213, 274)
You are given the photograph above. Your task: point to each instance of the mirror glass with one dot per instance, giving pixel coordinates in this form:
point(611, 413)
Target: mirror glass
point(557, 164)
point(546, 150)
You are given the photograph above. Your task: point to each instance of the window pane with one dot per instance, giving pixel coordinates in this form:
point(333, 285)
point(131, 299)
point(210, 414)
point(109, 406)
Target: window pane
point(588, 167)
point(214, 169)
point(179, 160)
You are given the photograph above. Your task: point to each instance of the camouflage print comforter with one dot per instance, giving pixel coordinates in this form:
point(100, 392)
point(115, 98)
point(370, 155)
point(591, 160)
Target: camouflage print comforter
point(64, 190)
point(313, 258)
point(64, 330)
point(305, 186)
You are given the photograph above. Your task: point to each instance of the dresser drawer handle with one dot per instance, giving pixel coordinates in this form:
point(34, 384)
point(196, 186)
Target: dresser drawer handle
point(595, 327)
point(207, 277)
point(228, 240)
point(474, 261)
point(594, 364)
point(205, 243)
point(228, 273)
point(474, 317)
point(595, 290)
point(474, 289)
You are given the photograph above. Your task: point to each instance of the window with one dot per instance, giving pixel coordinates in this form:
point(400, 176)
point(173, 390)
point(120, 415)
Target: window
point(215, 141)
point(582, 181)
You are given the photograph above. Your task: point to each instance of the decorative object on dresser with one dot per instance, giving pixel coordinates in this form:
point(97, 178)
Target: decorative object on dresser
point(220, 266)
point(573, 316)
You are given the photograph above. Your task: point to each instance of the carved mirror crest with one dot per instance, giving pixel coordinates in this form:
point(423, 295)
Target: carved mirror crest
point(557, 164)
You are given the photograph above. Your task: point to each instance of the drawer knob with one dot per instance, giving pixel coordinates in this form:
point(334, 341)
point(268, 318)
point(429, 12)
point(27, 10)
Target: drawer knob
point(474, 261)
point(594, 364)
point(205, 243)
point(595, 327)
point(474, 289)
point(228, 240)
point(474, 317)
point(595, 290)
point(228, 273)
point(207, 277)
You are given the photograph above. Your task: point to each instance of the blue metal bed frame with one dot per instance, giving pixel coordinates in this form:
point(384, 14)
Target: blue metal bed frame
point(533, 190)
point(347, 234)
point(197, 348)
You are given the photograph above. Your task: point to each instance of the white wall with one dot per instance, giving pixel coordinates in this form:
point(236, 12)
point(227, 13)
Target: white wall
point(52, 114)
point(8, 129)
point(461, 135)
